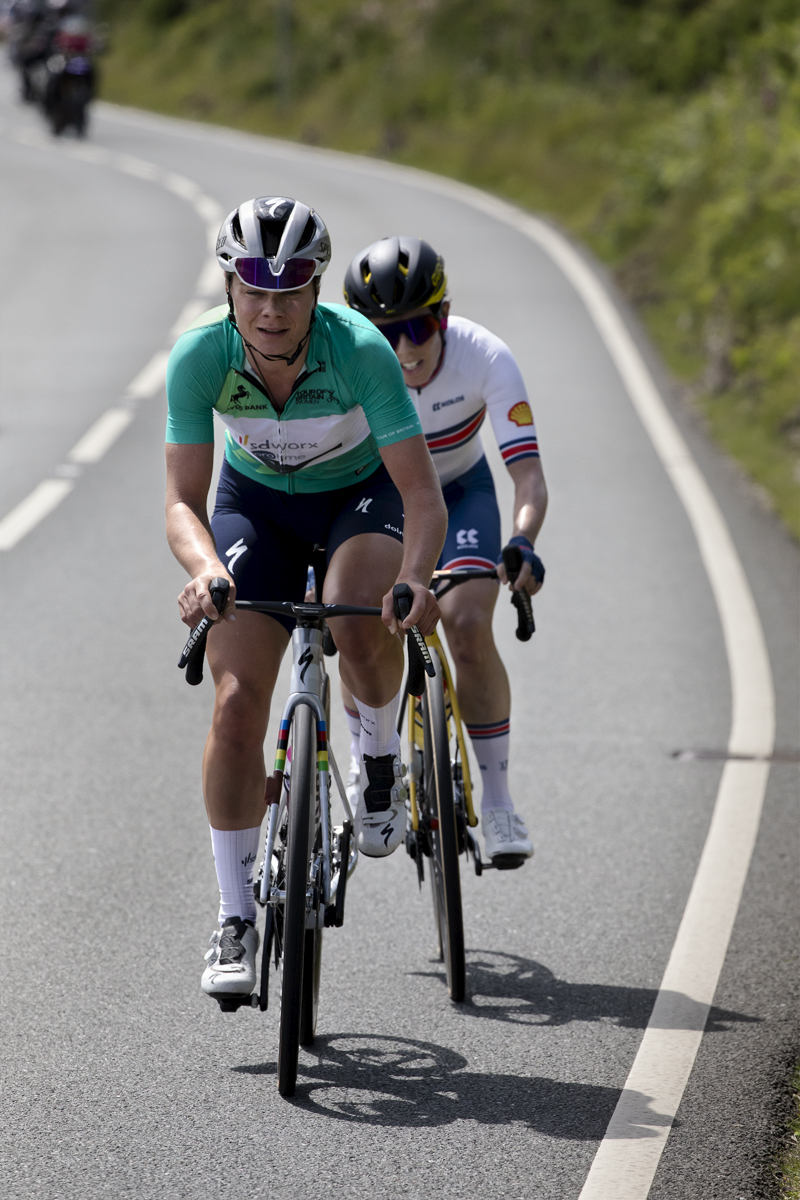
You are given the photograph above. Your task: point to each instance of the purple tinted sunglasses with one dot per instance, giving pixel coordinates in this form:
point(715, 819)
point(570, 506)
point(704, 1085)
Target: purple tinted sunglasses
point(417, 329)
point(257, 273)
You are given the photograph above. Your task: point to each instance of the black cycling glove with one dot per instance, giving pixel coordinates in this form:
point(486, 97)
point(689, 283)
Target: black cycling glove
point(529, 555)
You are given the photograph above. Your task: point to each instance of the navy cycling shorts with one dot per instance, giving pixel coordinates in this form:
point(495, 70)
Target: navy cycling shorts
point(265, 537)
point(473, 526)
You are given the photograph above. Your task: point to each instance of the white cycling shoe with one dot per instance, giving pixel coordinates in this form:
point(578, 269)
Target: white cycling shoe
point(231, 960)
point(380, 816)
point(505, 835)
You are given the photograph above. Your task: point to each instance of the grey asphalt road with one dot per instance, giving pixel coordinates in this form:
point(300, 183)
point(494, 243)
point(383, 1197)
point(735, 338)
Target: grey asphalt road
point(119, 1077)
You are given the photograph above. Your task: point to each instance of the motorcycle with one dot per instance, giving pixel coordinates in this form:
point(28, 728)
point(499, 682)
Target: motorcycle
point(70, 83)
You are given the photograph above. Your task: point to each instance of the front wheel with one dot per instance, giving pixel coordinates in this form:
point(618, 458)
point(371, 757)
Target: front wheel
point(446, 878)
point(312, 965)
point(299, 841)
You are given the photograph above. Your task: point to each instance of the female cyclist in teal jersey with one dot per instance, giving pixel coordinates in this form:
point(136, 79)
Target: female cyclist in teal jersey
point(457, 372)
point(322, 447)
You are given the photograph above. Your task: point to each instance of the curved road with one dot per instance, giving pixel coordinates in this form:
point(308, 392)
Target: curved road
point(120, 1078)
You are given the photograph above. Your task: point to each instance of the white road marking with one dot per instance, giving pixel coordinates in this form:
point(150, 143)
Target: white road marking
point(209, 282)
point(138, 167)
point(46, 496)
point(101, 436)
point(629, 1154)
point(150, 379)
point(630, 1151)
point(187, 189)
point(188, 315)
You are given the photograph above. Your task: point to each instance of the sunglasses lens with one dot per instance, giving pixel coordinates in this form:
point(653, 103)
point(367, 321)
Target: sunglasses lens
point(256, 272)
point(418, 330)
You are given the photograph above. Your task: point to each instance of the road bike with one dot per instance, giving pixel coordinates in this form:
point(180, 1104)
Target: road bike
point(439, 784)
point(307, 860)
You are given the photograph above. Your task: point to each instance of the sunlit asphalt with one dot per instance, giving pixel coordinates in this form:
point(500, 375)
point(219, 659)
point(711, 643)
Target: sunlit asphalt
point(119, 1077)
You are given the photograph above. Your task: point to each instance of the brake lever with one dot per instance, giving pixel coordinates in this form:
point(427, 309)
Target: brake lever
point(194, 652)
point(526, 626)
point(420, 662)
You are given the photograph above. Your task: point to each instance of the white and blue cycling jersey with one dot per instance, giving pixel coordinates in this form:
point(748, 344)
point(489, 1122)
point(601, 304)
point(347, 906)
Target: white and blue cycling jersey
point(477, 374)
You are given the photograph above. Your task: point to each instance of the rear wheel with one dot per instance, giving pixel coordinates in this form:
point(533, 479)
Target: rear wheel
point(446, 879)
point(302, 807)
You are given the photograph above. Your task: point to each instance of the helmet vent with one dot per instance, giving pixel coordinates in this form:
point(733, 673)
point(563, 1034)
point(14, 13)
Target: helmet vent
point(420, 293)
point(271, 234)
point(309, 233)
point(236, 228)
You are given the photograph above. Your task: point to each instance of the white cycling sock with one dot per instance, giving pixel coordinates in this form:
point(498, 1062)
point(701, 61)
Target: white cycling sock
point(379, 728)
point(490, 743)
point(235, 852)
point(354, 725)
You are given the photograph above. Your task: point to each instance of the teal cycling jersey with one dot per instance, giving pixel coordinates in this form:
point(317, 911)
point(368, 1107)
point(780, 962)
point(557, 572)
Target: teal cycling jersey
point(348, 402)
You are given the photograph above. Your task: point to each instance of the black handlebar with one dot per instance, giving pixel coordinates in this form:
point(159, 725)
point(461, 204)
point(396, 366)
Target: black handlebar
point(194, 652)
point(420, 662)
point(512, 561)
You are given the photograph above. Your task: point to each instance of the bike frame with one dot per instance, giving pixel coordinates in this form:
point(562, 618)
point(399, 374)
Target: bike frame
point(307, 686)
point(415, 736)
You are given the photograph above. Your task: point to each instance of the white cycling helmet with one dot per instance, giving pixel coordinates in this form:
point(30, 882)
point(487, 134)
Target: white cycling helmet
point(274, 243)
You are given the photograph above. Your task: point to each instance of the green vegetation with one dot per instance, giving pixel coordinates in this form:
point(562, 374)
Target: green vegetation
point(786, 1171)
point(666, 133)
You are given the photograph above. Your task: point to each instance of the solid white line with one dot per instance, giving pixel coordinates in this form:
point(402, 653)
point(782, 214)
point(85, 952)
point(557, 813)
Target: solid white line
point(101, 436)
point(151, 377)
point(29, 512)
point(630, 1151)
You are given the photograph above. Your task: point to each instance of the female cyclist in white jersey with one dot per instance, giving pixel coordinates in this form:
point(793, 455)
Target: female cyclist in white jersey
point(456, 372)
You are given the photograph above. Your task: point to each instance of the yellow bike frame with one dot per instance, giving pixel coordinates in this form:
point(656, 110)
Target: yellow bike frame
point(415, 737)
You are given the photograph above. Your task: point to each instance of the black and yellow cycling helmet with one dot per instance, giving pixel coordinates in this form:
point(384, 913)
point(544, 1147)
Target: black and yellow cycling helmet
point(394, 276)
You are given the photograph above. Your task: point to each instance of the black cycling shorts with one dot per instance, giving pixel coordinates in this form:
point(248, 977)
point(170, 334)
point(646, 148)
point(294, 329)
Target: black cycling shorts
point(266, 537)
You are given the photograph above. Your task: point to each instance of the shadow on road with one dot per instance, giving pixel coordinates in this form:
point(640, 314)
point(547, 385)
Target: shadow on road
point(507, 987)
point(401, 1082)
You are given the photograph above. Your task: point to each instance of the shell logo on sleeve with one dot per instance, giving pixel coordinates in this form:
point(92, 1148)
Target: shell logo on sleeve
point(521, 414)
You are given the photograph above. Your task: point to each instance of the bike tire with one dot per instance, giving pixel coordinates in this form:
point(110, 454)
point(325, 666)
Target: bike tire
point(298, 846)
point(444, 840)
point(312, 966)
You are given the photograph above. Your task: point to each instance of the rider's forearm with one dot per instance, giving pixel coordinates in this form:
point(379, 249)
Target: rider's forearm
point(190, 540)
point(424, 530)
point(530, 498)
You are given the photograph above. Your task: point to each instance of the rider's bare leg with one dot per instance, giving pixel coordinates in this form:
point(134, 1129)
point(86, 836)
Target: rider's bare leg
point(484, 695)
point(244, 659)
point(370, 658)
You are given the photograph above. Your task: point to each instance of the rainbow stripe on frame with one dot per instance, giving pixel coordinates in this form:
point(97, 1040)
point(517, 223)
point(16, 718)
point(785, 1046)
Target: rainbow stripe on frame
point(283, 743)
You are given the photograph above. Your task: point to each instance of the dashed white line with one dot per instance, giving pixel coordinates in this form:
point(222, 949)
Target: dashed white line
point(150, 379)
point(101, 436)
point(188, 315)
point(34, 508)
point(105, 431)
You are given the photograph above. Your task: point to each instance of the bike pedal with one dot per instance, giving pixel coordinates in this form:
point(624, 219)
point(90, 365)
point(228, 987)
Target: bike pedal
point(234, 1003)
point(507, 862)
